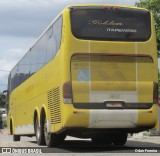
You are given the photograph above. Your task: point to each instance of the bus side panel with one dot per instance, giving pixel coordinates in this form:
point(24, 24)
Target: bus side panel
point(34, 94)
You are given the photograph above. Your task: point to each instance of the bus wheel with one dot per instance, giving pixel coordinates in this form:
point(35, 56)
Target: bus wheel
point(16, 137)
point(120, 139)
point(52, 139)
point(39, 131)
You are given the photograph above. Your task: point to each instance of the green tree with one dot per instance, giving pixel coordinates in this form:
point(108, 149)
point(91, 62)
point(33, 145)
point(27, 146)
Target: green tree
point(154, 7)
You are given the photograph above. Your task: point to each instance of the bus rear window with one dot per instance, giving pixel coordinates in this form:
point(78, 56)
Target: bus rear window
point(110, 23)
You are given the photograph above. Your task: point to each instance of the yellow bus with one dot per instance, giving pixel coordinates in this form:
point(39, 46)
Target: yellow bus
point(91, 74)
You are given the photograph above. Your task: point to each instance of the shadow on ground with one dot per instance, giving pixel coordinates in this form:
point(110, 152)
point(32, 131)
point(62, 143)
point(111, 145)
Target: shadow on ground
point(83, 146)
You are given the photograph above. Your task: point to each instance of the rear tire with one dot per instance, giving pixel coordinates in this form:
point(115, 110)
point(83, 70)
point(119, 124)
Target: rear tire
point(16, 137)
point(39, 131)
point(51, 139)
point(120, 139)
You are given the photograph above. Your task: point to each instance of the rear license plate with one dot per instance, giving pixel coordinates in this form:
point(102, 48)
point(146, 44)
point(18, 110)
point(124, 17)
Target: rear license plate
point(114, 104)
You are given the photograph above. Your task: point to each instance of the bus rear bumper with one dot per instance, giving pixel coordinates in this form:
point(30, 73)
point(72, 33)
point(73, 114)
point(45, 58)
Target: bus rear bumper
point(122, 118)
point(113, 118)
point(110, 118)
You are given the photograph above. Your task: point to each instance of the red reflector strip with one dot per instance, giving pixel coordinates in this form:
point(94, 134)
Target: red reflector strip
point(155, 92)
point(106, 8)
point(116, 8)
point(67, 90)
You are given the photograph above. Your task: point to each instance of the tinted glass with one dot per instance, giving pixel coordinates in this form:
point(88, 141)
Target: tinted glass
point(32, 58)
point(110, 23)
point(57, 32)
point(41, 54)
point(38, 56)
point(49, 44)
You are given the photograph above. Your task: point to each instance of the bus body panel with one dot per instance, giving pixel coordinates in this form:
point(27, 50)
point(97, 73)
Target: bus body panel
point(142, 79)
point(83, 63)
point(32, 97)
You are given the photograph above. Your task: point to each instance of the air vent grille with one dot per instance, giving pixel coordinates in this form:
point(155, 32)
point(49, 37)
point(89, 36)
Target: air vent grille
point(54, 105)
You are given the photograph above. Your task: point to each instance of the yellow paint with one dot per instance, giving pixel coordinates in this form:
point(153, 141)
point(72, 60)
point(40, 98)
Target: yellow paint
point(75, 118)
point(105, 74)
point(147, 117)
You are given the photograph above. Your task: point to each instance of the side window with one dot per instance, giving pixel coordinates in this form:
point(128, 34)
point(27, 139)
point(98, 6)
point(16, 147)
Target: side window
point(54, 39)
point(50, 44)
point(12, 80)
point(9, 83)
point(57, 33)
point(21, 72)
point(33, 59)
point(41, 54)
point(27, 66)
point(14, 77)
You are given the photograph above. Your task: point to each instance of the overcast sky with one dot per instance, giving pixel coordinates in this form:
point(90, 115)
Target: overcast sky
point(22, 21)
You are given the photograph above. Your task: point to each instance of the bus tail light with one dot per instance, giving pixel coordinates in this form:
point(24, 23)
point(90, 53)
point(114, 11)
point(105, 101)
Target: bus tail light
point(116, 8)
point(106, 8)
point(67, 92)
point(155, 92)
point(111, 7)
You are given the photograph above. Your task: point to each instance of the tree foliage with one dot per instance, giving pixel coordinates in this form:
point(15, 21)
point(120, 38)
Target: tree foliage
point(154, 7)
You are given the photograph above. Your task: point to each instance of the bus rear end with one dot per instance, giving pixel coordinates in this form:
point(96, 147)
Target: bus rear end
point(113, 73)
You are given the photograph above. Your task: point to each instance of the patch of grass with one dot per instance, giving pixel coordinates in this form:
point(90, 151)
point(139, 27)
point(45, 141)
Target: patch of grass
point(5, 123)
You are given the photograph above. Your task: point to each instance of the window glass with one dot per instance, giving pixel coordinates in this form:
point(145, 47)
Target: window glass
point(33, 59)
point(109, 23)
point(21, 76)
point(27, 66)
point(57, 32)
point(24, 67)
point(50, 44)
point(14, 77)
point(54, 39)
point(39, 55)
point(41, 51)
